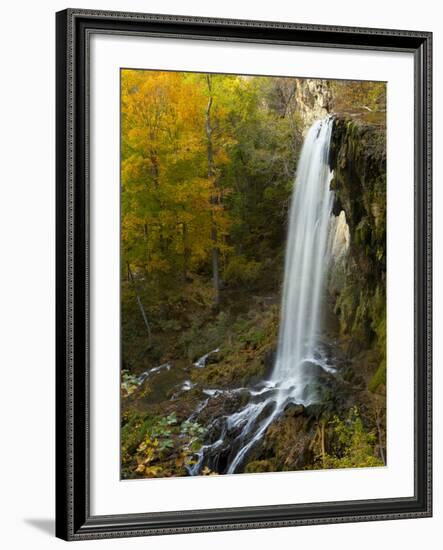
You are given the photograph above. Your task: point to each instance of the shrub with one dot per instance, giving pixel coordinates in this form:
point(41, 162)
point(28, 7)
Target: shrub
point(240, 270)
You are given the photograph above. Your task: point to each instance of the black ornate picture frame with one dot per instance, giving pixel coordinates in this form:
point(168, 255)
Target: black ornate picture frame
point(74, 520)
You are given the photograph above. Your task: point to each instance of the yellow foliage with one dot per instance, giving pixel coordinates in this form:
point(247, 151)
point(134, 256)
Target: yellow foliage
point(168, 206)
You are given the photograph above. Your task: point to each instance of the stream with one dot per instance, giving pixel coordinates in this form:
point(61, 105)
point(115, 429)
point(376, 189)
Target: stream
point(232, 437)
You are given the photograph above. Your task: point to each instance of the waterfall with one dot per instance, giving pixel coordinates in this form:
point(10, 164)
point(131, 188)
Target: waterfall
point(306, 263)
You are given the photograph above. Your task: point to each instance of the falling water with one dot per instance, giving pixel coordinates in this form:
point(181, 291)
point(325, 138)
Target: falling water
point(306, 263)
point(306, 260)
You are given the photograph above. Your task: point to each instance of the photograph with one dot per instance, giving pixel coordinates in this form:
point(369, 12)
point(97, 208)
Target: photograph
point(218, 284)
point(252, 274)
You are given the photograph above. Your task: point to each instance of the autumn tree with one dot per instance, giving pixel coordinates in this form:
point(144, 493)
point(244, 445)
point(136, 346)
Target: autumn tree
point(165, 191)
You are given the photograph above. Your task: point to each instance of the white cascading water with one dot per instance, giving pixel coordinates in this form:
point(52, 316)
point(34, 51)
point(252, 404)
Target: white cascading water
point(306, 260)
point(306, 264)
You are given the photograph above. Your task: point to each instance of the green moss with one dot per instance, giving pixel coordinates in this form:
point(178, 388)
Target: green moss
point(358, 158)
point(242, 356)
point(363, 234)
point(379, 377)
point(254, 336)
point(259, 466)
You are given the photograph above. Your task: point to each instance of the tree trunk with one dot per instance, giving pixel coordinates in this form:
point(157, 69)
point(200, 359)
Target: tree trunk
point(380, 439)
point(146, 239)
point(323, 448)
point(214, 197)
point(140, 305)
point(186, 252)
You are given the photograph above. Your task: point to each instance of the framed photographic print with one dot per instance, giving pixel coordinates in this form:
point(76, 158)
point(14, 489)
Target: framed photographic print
point(243, 274)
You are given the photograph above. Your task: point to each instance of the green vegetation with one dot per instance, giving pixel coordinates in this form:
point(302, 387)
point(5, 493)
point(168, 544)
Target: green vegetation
point(158, 446)
point(351, 445)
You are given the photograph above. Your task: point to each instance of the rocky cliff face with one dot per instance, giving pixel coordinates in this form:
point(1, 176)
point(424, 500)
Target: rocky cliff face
point(358, 159)
point(313, 99)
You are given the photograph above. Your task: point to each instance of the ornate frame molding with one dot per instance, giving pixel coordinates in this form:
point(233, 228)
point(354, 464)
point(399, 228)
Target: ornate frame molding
point(74, 28)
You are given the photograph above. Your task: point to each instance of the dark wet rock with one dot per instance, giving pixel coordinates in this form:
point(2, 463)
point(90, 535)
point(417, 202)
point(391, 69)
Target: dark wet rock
point(293, 410)
point(214, 358)
point(348, 374)
point(314, 411)
point(224, 404)
point(269, 361)
point(287, 442)
point(313, 371)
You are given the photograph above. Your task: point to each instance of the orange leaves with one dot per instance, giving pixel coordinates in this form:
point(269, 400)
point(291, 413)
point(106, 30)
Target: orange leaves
point(169, 204)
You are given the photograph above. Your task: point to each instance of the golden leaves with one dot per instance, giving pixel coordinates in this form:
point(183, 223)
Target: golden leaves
point(169, 204)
